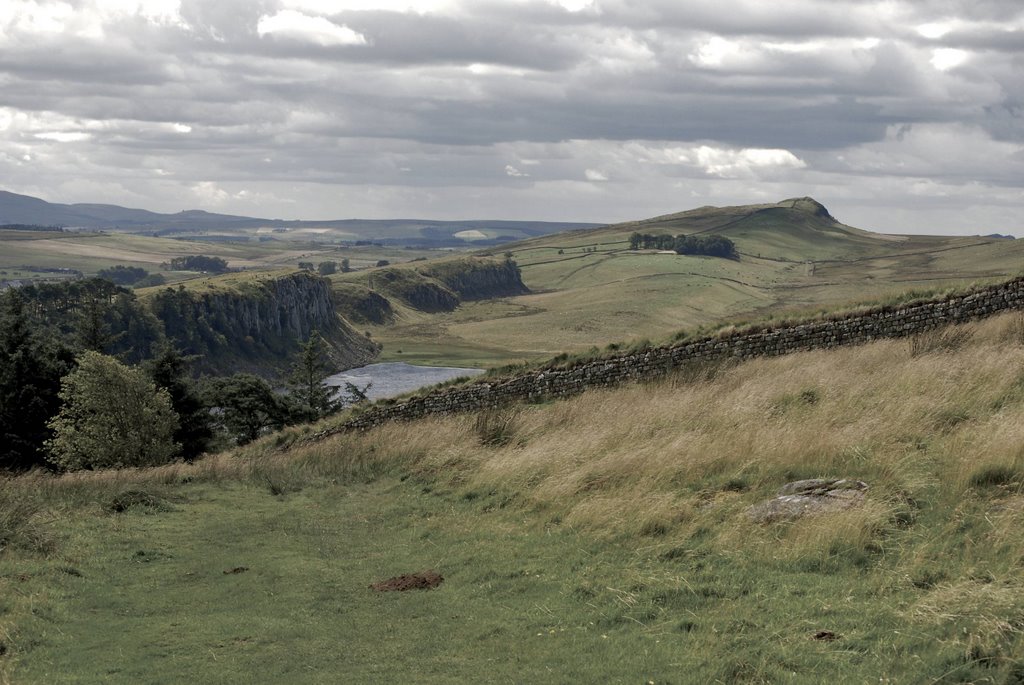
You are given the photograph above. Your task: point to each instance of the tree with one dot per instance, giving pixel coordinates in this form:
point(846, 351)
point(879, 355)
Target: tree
point(168, 369)
point(326, 268)
point(345, 266)
point(313, 398)
point(30, 373)
point(635, 241)
point(306, 266)
point(113, 417)
point(245, 405)
point(150, 281)
point(353, 394)
point(198, 262)
point(92, 332)
point(383, 262)
point(712, 245)
point(123, 275)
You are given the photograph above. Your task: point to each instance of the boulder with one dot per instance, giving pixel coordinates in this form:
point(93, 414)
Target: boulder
point(809, 498)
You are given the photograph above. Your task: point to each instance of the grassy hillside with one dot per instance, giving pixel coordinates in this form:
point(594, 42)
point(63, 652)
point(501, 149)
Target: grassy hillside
point(589, 289)
point(203, 225)
point(90, 252)
point(600, 539)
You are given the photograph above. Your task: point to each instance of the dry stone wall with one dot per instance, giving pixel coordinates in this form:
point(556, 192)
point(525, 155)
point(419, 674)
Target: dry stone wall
point(886, 322)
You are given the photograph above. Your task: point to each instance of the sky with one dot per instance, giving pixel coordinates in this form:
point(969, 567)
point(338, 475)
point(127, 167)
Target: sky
point(901, 116)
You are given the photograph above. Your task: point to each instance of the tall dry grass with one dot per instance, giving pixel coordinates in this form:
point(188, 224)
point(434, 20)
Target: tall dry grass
point(919, 423)
point(925, 428)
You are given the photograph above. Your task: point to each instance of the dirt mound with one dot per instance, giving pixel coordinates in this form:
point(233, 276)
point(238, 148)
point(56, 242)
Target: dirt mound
point(424, 580)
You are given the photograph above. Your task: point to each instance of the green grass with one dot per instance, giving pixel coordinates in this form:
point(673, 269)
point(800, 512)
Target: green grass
point(590, 291)
point(599, 539)
point(144, 597)
point(91, 252)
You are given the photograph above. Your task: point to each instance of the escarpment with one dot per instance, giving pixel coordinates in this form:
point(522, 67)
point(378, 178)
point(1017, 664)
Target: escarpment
point(359, 304)
point(430, 288)
point(258, 325)
point(479, 279)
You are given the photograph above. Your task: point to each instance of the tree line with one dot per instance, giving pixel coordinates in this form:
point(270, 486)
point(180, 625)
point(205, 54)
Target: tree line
point(198, 262)
point(710, 245)
point(76, 393)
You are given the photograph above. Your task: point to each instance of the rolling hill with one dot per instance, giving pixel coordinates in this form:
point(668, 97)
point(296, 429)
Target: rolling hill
point(606, 538)
point(589, 289)
point(23, 209)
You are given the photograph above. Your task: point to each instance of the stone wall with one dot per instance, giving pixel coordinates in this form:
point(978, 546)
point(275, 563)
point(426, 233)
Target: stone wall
point(885, 322)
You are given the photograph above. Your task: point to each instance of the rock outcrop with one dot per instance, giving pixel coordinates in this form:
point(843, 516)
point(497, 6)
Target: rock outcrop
point(438, 287)
point(809, 498)
point(258, 326)
point(360, 305)
point(479, 279)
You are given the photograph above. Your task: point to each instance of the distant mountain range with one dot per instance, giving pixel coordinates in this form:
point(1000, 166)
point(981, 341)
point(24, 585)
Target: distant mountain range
point(24, 209)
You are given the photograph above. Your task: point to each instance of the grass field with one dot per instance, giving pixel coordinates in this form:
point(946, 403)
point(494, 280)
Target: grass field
point(599, 539)
point(590, 290)
point(90, 252)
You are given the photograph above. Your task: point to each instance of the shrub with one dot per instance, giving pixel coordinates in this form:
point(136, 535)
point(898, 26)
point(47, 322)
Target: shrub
point(113, 417)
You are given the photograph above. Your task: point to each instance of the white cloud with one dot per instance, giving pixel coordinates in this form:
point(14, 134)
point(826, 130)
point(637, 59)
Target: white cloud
point(514, 172)
point(595, 175)
point(715, 51)
point(714, 160)
point(934, 30)
point(323, 7)
point(943, 151)
point(945, 59)
point(574, 5)
point(299, 26)
point(209, 193)
point(740, 163)
point(87, 19)
point(64, 136)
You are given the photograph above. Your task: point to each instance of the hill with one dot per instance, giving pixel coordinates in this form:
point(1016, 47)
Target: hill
point(588, 289)
point(609, 537)
point(23, 209)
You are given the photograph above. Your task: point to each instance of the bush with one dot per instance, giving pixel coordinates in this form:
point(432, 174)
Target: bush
point(113, 417)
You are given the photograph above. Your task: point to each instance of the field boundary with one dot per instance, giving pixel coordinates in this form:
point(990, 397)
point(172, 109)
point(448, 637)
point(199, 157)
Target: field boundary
point(894, 321)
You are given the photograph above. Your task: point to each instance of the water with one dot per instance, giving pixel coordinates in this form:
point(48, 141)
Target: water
point(394, 378)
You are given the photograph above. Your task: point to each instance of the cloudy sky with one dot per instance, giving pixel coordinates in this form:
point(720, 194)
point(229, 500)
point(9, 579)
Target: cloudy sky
point(899, 115)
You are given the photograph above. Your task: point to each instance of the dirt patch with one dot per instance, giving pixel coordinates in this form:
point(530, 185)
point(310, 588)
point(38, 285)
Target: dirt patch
point(236, 570)
point(825, 636)
point(424, 580)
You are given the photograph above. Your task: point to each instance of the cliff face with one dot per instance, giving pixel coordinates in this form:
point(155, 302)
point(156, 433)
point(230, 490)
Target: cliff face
point(362, 305)
point(414, 289)
point(429, 288)
point(479, 279)
point(260, 326)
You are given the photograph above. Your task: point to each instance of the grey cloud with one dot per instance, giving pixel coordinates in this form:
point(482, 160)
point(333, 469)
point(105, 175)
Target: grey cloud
point(405, 110)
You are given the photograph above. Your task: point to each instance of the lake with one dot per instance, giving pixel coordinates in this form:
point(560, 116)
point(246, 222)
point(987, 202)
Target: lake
point(394, 378)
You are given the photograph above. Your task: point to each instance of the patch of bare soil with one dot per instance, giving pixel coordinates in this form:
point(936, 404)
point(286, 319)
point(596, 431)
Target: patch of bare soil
point(424, 580)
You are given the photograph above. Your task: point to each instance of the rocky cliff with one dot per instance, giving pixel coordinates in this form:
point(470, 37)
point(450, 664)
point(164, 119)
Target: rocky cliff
point(257, 325)
point(479, 279)
point(430, 287)
point(360, 305)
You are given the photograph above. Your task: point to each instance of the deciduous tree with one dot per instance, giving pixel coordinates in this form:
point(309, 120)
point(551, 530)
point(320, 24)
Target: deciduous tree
point(113, 417)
